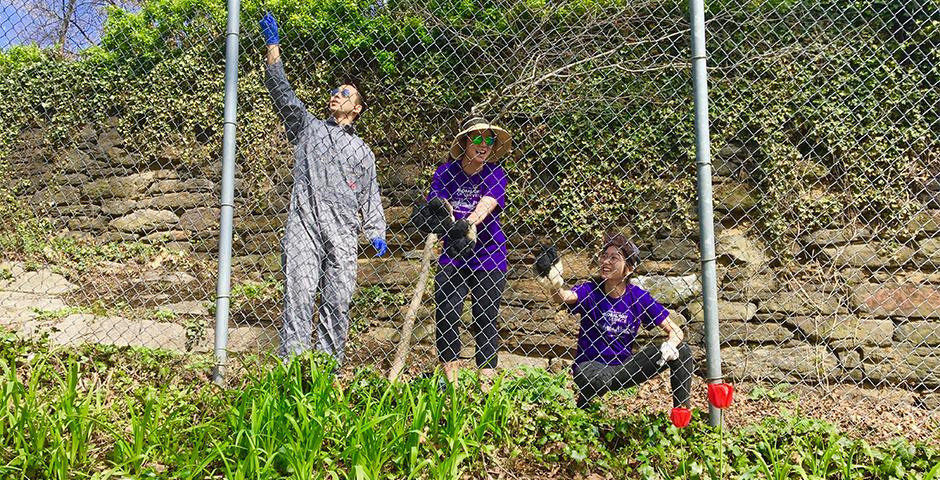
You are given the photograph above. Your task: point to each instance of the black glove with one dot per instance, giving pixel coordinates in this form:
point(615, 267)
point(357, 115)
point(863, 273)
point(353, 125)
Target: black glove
point(549, 270)
point(432, 217)
point(545, 259)
point(460, 239)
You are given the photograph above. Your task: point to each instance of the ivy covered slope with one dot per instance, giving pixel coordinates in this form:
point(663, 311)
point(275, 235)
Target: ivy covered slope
point(834, 106)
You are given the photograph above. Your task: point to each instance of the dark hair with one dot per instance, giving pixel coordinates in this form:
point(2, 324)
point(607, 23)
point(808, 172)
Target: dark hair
point(362, 99)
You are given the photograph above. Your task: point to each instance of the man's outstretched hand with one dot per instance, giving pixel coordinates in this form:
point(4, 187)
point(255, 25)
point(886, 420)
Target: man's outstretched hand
point(380, 246)
point(269, 29)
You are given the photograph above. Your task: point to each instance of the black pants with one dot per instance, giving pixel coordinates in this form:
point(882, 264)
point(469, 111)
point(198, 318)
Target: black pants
point(594, 379)
point(486, 288)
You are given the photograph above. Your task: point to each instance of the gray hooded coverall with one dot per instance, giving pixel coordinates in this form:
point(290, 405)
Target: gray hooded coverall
point(334, 181)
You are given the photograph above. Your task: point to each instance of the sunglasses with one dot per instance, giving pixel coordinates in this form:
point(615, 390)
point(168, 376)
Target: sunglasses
point(346, 93)
point(479, 139)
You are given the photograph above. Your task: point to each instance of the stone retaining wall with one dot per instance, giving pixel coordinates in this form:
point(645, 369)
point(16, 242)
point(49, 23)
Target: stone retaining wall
point(855, 309)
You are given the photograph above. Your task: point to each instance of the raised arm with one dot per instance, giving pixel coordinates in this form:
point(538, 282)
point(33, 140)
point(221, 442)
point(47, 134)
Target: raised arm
point(273, 55)
point(291, 110)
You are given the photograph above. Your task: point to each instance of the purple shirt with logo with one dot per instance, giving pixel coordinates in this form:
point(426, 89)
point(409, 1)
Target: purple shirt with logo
point(464, 192)
point(610, 325)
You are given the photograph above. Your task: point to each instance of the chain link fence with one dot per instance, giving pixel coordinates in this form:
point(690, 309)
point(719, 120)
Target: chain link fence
point(826, 161)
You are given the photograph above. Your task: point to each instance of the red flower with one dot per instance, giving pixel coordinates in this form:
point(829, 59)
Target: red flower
point(719, 394)
point(680, 416)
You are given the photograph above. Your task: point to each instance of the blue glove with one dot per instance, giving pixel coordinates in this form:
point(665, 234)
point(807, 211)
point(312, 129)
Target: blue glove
point(380, 246)
point(269, 29)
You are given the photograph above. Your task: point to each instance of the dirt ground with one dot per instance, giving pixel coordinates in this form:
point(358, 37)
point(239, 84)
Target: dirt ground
point(875, 415)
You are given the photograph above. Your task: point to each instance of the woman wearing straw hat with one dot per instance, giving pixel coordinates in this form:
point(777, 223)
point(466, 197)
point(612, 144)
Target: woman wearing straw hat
point(474, 258)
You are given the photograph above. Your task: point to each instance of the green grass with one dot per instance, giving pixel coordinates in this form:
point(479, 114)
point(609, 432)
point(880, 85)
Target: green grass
point(107, 412)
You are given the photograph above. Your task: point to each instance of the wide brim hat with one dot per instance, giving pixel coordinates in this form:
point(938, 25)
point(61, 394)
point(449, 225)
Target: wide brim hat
point(500, 149)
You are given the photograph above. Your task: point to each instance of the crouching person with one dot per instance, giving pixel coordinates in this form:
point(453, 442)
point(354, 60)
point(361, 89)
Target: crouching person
point(612, 311)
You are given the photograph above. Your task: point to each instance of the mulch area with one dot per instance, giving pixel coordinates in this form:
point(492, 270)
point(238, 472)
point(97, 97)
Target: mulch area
point(875, 415)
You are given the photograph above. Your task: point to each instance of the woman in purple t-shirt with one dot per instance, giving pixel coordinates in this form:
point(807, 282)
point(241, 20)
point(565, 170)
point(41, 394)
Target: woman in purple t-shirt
point(612, 311)
point(474, 258)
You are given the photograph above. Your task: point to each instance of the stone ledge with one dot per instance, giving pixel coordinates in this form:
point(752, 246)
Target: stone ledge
point(925, 223)
point(918, 367)
point(735, 248)
point(801, 302)
point(918, 333)
point(673, 291)
point(868, 256)
point(845, 331)
point(836, 237)
point(79, 329)
point(791, 364)
point(742, 332)
point(744, 312)
point(145, 220)
point(125, 186)
point(241, 339)
point(40, 282)
point(376, 271)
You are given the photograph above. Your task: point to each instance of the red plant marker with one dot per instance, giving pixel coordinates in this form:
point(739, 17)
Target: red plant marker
point(680, 416)
point(719, 394)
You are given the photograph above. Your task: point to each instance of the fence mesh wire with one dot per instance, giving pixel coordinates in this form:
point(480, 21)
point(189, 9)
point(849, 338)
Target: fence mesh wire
point(825, 153)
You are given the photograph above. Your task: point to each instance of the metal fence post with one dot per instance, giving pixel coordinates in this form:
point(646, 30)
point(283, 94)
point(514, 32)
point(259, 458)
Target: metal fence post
point(224, 283)
point(705, 203)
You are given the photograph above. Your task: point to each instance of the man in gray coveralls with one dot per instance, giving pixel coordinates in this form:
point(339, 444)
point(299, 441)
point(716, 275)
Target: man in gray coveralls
point(334, 183)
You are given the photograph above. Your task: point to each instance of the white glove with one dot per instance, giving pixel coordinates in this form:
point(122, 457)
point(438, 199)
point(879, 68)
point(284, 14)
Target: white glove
point(667, 353)
point(552, 282)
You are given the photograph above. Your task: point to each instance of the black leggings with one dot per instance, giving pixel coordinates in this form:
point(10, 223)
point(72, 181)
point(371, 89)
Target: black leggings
point(594, 379)
point(451, 285)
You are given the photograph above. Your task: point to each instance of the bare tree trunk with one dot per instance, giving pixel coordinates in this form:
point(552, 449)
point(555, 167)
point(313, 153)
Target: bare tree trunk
point(404, 344)
point(67, 14)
